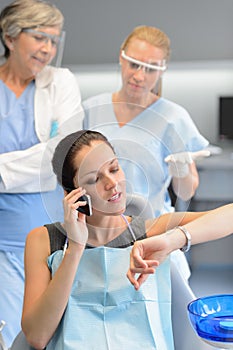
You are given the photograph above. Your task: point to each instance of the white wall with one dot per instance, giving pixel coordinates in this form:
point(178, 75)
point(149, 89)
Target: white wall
point(195, 85)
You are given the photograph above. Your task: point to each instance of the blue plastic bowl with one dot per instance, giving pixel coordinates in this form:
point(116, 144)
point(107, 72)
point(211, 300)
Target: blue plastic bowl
point(212, 318)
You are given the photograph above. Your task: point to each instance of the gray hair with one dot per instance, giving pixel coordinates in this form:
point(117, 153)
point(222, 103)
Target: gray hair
point(22, 14)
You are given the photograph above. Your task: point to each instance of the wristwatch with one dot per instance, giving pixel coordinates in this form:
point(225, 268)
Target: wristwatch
point(188, 243)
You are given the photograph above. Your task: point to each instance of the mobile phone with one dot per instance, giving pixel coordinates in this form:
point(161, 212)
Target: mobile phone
point(86, 209)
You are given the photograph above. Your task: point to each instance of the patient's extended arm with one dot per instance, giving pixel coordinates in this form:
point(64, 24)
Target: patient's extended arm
point(150, 252)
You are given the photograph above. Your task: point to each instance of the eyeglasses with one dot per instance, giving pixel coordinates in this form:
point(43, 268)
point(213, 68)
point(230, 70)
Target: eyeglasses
point(146, 67)
point(42, 37)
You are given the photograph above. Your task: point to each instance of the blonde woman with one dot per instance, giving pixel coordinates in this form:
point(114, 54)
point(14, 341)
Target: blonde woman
point(155, 139)
point(146, 128)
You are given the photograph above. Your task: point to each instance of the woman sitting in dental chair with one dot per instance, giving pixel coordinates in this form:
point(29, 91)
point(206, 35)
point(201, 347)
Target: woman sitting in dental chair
point(76, 291)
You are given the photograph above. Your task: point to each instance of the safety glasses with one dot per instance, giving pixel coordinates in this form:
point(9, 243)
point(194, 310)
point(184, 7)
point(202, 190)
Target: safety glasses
point(42, 37)
point(146, 67)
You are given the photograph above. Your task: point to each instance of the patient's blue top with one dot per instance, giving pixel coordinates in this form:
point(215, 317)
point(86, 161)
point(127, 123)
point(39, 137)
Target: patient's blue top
point(103, 299)
point(142, 144)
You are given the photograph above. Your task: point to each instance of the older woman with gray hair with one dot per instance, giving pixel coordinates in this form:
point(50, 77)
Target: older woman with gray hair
point(39, 104)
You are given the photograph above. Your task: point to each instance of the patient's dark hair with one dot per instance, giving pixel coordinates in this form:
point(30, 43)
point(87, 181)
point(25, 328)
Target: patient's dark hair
point(66, 151)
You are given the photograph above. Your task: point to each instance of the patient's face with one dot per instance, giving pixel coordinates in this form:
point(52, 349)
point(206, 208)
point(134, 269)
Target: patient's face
point(102, 177)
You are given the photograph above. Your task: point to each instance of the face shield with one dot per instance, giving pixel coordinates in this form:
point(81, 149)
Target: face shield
point(60, 50)
point(146, 67)
point(57, 41)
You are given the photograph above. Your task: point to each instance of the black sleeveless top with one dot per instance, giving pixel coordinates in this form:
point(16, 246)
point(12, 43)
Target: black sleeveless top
point(57, 235)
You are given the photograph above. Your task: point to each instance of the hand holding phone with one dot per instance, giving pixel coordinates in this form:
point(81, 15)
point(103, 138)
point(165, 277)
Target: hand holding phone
point(86, 209)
